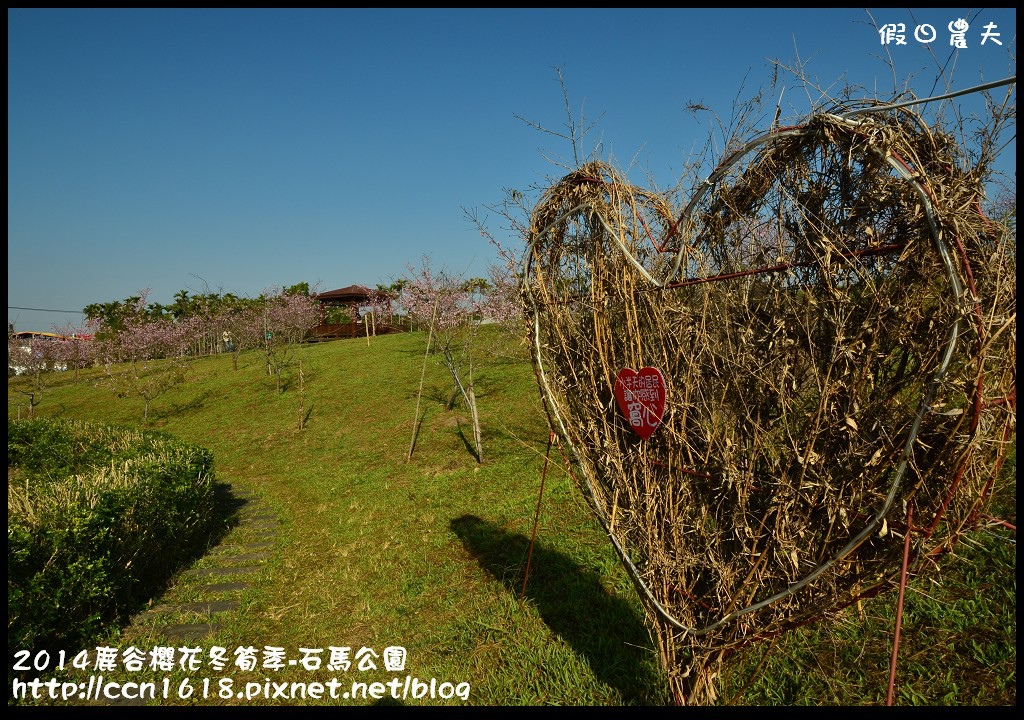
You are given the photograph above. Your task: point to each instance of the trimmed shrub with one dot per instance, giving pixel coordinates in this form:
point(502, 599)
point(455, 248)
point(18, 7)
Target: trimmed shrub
point(98, 518)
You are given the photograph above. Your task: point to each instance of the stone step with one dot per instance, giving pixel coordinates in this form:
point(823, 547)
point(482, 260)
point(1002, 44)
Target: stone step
point(218, 571)
point(240, 548)
point(194, 631)
point(251, 557)
point(264, 535)
point(224, 587)
point(210, 606)
point(260, 523)
point(260, 518)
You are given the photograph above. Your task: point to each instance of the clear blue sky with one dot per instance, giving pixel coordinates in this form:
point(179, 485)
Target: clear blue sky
point(235, 150)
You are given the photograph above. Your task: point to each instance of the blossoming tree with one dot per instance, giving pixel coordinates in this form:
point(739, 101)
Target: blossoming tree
point(147, 356)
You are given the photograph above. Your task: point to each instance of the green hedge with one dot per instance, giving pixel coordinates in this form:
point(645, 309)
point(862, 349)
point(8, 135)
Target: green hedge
point(98, 517)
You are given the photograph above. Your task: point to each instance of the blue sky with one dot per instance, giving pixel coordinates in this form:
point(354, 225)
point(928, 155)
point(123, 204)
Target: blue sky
point(236, 150)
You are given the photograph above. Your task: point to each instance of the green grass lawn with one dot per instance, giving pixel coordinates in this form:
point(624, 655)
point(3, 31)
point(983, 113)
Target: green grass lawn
point(430, 554)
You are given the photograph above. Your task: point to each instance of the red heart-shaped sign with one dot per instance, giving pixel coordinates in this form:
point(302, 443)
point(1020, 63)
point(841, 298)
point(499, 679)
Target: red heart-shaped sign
point(641, 398)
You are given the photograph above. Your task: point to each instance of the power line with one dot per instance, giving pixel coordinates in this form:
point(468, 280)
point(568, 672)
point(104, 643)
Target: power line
point(15, 307)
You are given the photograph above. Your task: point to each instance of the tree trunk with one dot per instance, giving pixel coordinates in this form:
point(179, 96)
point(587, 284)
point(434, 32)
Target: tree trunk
point(476, 425)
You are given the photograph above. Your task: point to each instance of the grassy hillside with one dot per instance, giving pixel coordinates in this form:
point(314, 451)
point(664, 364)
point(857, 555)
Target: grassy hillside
point(430, 554)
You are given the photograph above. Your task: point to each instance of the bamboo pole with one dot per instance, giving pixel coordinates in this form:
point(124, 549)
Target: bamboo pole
point(423, 373)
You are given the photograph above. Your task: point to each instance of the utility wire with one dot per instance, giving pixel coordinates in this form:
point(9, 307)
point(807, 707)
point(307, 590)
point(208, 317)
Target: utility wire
point(15, 307)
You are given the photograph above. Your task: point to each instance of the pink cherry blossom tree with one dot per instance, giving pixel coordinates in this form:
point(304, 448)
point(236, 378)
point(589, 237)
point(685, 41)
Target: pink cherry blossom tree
point(450, 308)
point(147, 356)
point(286, 318)
point(77, 350)
point(240, 328)
point(382, 308)
point(31, 359)
point(503, 303)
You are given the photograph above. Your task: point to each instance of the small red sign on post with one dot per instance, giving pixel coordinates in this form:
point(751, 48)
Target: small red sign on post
point(641, 397)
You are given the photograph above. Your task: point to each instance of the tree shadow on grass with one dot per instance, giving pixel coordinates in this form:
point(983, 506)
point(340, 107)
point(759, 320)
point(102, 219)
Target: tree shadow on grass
point(603, 630)
point(470, 446)
point(163, 412)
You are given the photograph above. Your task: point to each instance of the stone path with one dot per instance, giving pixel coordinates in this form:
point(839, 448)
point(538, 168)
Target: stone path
point(197, 602)
point(194, 606)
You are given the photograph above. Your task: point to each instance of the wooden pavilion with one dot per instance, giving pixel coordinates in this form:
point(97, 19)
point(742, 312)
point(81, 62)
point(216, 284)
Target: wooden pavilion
point(353, 298)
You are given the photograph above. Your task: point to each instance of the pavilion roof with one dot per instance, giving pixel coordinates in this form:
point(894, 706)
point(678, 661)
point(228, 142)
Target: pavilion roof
point(345, 295)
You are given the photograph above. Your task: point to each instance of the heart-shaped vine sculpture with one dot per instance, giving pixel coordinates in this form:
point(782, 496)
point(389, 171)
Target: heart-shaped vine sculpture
point(834, 319)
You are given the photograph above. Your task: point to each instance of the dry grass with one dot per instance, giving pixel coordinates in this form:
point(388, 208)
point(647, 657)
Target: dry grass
point(835, 319)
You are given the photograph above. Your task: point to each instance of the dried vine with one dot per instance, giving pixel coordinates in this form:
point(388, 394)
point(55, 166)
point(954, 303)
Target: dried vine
point(836, 321)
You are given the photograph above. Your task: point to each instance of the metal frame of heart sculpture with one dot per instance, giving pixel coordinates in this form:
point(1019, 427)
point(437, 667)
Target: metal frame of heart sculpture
point(835, 321)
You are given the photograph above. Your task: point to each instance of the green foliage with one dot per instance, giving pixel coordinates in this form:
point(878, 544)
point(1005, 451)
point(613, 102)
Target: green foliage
point(337, 316)
point(91, 510)
point(301, 288)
